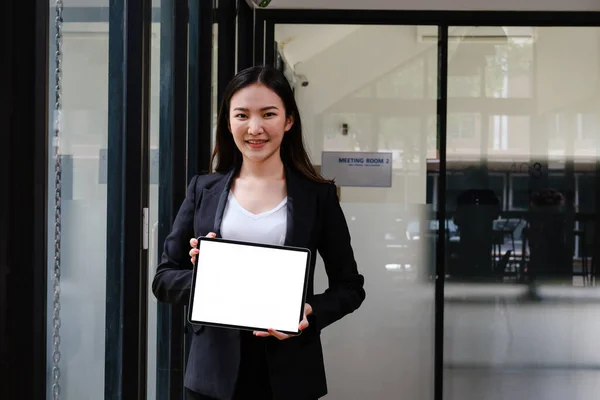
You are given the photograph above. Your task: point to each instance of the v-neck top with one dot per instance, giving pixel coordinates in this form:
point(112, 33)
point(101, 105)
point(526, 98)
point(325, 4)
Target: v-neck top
point(240, 224)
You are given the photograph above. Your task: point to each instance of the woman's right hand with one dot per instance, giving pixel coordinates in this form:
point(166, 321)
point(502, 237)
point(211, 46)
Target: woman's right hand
point(194, 244)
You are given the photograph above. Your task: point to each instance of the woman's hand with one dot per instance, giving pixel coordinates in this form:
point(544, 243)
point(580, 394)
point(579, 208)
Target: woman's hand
point(282, 336)
point(194, 243)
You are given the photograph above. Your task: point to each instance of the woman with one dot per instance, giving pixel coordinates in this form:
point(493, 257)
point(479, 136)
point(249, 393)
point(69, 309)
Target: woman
point(264, 190)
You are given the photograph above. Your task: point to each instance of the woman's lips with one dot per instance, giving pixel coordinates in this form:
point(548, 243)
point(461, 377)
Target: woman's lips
point(256, 144)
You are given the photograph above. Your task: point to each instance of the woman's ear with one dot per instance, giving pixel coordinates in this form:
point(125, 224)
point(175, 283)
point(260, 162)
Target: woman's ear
point(289, 122)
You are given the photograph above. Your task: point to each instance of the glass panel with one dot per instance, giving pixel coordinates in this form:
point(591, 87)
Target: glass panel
point(355, 105)
point(154, 249)
point(406, 82)
point(83, 144)
point(215, 83)
point(509, 66)
point(520, 298)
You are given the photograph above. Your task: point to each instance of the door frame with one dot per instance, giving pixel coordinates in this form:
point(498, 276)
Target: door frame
point(127, 198)
point(24, 199)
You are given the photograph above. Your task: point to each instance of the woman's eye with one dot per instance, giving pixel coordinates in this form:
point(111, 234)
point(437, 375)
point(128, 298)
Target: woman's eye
point(240, 115)
point(269, 114)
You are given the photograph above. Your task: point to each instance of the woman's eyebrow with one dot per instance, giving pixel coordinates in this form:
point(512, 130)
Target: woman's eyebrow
point(262, 109)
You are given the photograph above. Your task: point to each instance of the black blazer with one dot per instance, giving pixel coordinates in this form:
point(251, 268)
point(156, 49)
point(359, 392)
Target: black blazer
point(315, 221)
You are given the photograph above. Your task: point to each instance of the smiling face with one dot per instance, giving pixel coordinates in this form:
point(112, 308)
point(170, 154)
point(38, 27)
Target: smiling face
point(258, 122)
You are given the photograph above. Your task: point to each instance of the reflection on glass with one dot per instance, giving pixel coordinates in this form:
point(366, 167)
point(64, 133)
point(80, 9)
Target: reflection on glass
point(491, 62)
point(83, 144)
point(521, 301)
point(406, 82)
point(374, 89)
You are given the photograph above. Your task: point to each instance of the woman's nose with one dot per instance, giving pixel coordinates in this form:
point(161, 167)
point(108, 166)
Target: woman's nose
point(255, 126)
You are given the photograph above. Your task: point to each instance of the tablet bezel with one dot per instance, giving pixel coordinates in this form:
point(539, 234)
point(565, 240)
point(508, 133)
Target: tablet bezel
point(252, 244)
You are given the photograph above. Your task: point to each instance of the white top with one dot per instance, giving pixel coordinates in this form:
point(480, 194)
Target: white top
point(242, 225)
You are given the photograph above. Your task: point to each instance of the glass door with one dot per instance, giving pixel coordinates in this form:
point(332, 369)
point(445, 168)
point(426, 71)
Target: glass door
point(522, 181)
point(78, 204)
point(516, 183)
point(97, 174)
point(371, 91)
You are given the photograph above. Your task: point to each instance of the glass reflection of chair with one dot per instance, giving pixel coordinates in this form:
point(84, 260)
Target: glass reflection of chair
point(582, 263)
point(505, 261)
point(550, 258)
point(584, 237)
point(476, 211)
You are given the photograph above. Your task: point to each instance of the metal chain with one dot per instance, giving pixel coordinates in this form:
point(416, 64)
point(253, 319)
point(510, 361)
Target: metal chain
point(57, 202)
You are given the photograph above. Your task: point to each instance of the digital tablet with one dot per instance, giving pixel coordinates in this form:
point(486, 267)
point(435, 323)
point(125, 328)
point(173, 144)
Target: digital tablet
point(249, 286)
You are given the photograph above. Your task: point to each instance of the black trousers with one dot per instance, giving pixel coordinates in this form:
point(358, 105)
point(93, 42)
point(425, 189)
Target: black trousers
point(253, 381)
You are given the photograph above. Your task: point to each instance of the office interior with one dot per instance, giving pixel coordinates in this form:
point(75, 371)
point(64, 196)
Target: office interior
point(480, 258)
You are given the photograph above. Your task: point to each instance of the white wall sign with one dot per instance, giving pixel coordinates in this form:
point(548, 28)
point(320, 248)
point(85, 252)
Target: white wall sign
point(357, 168)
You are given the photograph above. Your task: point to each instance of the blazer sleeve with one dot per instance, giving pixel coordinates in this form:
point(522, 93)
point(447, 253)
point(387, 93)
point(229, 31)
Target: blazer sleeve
point(173, 279)
point(346, 286)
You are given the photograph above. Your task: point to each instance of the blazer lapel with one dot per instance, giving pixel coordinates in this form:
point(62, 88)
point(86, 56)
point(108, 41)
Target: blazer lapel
point(301, 206)
point(212, 205)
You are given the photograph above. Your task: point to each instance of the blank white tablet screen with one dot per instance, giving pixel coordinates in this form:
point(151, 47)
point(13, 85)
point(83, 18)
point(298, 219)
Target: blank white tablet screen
point(249, 286)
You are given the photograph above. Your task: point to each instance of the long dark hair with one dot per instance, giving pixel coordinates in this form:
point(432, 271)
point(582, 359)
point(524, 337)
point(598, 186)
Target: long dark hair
point(292, 151)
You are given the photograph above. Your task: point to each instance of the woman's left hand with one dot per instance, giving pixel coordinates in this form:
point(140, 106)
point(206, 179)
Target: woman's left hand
point(282, 336)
